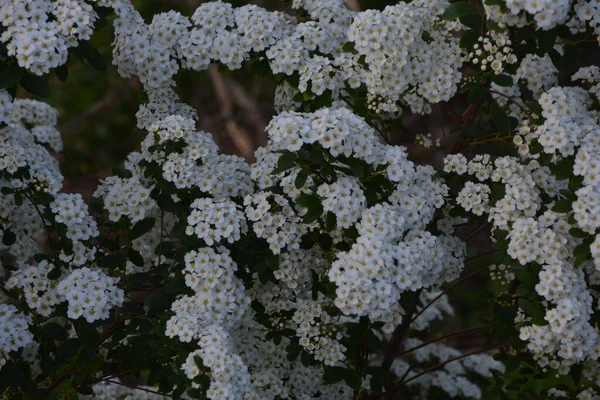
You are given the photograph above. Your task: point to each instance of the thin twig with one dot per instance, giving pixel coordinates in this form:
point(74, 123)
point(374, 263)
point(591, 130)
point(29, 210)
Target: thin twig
point(478, 328)
point(395, 388)
point(138, 388)
point(467, 277)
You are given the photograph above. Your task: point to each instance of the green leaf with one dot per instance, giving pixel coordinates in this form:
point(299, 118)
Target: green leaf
point(113, 260)
point(493, 26)
point(308, 200)
point(8, 237)
point(313, 214)
point(55, 331)
point(500, 119)
point(333, 374)
point(330, 221)
point(535, 310)
point(546, 40)
point(54, 274)
point(457, 10)
point(11, 76)
point(502, 80)
point(285, 162)
point(142, 227)
point(358, 167)
point(157, 301)
point(36, 85)
point(477, 94)
point(563, 206)
point(135, 257)
point(469, 39)
point(301, 179)
point(87, 52)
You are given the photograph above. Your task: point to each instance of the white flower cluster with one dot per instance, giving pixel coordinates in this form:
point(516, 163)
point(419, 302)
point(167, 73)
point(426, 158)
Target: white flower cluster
point(318, 333)
point(539, 73)
point(27, 167)
point(40, 292)
point(91, 294)
point(536, 234)
point(547, 13)
point(569, 338)
point(493, 51)
point(14, 331)
point(532, 240)
point(230, 377)
point(401, 63)
point(427, 141)
point(30, 125)
point(198, 163)
point(502, 274)
point(591, 76)
point(344, 198)
point(386, 261)
point(214, 221)
point(219, 297)
point(474, 197)
point(521, 195)
point(125, 197)
point(274, 219)
point(70, 210)
point(39, 33)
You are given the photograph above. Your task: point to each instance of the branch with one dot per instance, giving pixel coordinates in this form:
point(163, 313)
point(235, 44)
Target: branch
point(394, 389)
point(478, 328)
point(467, 277)
point(138, 388)
point(391, 350)
point(240, 138)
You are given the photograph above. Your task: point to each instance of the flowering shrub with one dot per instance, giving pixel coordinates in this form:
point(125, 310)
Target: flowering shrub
point(325, 269)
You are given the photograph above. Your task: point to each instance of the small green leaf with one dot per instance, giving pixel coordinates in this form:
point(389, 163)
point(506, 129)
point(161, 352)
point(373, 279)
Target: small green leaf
point(142, 227)
point(301, 179)
point(285, 162)
point(36, 85)
point(500, 119)
point(563, 206)
point(330, 221)
point(502, 80)
point(457, 10)
point(477, 94)
point(55, 331)
point(8, 238)
point(308, 200)
point(113, 260)
point(10, 76)
point(535, 310)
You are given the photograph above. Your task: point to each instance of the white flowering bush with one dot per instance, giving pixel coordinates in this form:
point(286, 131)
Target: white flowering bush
point(327, 268)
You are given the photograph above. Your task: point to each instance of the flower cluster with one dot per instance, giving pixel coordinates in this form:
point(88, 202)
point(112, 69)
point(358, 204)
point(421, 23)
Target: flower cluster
point(317, 333)
point(14, 333)
point(218, 299)
point(230, 377)
point(39, 33)
point(493, 51)
point(39, 292)
point(213, 221)
point(90, 294)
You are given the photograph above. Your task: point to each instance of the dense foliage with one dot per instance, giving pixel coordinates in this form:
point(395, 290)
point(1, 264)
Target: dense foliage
point(325, 269)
